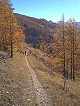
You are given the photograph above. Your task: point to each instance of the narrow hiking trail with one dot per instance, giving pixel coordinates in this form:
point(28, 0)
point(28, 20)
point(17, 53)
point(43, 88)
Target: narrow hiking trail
point(41, 95)
point(16, 85)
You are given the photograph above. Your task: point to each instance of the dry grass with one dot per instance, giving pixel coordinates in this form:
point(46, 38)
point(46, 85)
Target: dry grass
point(54, 85)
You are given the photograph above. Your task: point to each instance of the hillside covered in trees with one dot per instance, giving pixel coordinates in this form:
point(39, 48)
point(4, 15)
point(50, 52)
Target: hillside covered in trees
point(36, 30)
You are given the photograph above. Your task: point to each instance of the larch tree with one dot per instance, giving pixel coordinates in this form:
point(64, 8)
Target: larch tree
point(8, 27)
point(67, 47)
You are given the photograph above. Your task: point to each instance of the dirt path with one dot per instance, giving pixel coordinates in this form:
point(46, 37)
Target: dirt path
point(41, 95)
point(16, 85)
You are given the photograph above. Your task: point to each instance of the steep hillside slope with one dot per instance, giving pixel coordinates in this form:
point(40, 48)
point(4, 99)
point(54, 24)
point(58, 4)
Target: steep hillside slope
point(36, 30)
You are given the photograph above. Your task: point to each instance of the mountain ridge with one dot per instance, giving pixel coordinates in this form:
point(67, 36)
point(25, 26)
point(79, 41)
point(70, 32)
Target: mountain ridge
point(36, 30)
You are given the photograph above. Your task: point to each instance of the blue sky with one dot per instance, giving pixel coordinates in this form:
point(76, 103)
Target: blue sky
point(48, 9)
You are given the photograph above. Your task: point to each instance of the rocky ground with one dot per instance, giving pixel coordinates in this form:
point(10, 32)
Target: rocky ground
point(16, 85)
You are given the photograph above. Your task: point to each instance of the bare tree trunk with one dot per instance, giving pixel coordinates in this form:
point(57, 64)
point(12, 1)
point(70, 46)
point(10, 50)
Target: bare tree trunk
point(11, 34)
point(11, 49)
point(63, 47)
point(64, 58)
point(73, 52)
point(71, 61)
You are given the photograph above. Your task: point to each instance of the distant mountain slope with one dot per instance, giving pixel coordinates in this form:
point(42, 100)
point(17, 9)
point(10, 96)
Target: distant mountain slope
point(36, 30)
point(34, 21)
